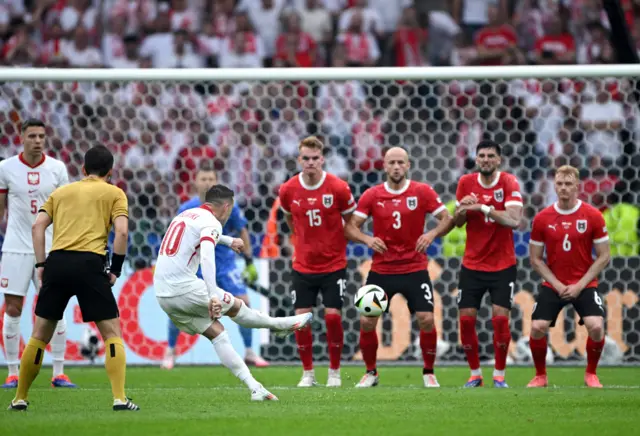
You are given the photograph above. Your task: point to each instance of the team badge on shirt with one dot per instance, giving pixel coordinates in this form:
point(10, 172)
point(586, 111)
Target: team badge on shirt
point(498, 195)
point(412, 203)
point(33, 178)
point(215, 235)
point(581, 226)
point(327, 200)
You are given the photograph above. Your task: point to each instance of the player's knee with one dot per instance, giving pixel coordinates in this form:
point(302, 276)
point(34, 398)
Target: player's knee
point(468, 311)
point(425, 321)
point(539, 328)
point(500, 311)
point(368, 323)
point(595, 329)
point(13, 306)
point(331, 311)
point(303, 310)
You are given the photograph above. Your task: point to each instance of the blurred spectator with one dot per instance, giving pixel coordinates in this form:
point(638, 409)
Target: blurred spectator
point(79, 53)
point(557, 46)
point(241, 50)
point(391, 13)
point(223, 20)
point(409, 41)
point(138, 15)
point(154, 47)
point(370, 17)
point(295, 48)
point(112, 40)
point(78, 13)
point(184, 17)
point(495, 39)
point(265, 16)
point(316, 20)
point(20, 49)
point(287, 131)
point(547, 108)
point(596, 49)
point(602, 120)
point(181, 53)
point(473, 15)
point(361, 48)
point(51, 50)
point(131, 58)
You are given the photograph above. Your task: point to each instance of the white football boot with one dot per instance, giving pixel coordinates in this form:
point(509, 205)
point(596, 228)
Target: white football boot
point(430, 381)
point(261, 394)
point(369, 380)
point(334, 380)
point(290, 324)
point(308, 379)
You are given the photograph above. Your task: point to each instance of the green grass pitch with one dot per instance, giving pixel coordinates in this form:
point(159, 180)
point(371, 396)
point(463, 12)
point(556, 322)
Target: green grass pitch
point(209, 400)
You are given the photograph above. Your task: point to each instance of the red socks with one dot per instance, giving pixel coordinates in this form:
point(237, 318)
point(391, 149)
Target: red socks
point(501, 339)
point(369, 348)
point(469, 339)
point(594, 350)
point(304, 339)
point(335, 339)
point(539, 353)
point(428, 344)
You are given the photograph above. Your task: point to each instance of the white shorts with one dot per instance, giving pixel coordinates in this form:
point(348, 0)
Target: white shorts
point(189, 311)
point(16, 271)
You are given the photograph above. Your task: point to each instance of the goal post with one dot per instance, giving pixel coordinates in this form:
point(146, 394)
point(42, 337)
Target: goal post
point(162, 124)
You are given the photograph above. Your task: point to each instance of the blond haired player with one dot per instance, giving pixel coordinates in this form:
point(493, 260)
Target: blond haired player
point(26, 181)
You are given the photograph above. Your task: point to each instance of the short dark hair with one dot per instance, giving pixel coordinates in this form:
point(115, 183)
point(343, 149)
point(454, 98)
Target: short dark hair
point(31, 122)
point(219, 194)
point(206, 166)
point(98, 161)
point(489, 144)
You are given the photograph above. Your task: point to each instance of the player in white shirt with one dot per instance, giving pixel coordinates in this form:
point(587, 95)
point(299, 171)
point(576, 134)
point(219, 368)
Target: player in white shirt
point(195, 305)
point(27, 180)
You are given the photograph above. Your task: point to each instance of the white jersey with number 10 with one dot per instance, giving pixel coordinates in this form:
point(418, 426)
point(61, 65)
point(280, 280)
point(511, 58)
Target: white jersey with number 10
point(179, 256)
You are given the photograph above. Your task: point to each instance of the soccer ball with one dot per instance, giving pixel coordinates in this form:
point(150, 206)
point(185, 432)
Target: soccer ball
point(371, 300)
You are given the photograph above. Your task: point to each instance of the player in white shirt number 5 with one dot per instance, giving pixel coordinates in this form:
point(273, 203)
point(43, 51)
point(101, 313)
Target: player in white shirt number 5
point(195, 305)
point(26, 181)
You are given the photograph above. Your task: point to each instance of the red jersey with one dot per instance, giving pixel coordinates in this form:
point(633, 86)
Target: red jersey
point(398, 219)
point(489, 245)
point(556, 44)
point(492, 38)
point(320, 245)
point(568, 237)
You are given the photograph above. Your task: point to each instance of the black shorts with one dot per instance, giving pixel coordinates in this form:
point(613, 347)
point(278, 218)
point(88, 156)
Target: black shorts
point(473, 285)
point(549, 304)
point(415, 287)
point(80, 274)
point(305, 289)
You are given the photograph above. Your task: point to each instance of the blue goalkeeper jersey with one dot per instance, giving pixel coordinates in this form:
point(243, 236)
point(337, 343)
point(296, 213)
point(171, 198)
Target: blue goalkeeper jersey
point(225, 256)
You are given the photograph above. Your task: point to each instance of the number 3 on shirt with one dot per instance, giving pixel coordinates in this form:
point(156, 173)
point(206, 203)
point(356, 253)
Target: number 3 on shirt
point(171, 241)
point(398, 219)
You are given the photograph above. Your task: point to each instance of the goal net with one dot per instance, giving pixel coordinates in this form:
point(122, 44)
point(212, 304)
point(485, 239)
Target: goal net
point(161, 124)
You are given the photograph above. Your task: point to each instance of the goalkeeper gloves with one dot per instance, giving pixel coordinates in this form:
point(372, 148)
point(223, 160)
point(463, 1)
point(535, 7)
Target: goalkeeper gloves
point(250, 273)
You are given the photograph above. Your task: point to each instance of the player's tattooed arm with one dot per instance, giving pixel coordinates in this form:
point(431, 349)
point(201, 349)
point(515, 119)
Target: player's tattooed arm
point(511, 217)
point(460, 215)
point(603, 256)
point(353, 233)
point(538, 264)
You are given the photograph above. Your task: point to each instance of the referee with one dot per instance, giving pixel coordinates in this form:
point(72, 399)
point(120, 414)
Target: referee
point(82, 214)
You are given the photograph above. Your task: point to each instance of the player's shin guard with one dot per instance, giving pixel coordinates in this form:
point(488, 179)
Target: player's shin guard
point(304, 340)
point(232, 360)
point(469, 339)
point(116, 366)
point(335, 339)
point(369, 348)
point(594, 350)
point(428, 345)
point(539, 354)
point(501, 339)
point(58, 347)
point(11, 338)
point(30, 364)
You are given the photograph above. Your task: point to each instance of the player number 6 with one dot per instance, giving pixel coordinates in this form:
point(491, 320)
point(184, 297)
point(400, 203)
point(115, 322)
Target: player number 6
point(566, 244)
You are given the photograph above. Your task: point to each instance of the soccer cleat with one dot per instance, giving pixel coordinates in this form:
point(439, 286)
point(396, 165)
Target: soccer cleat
point(169, 359)
point(592, 381)
point(120, 406)
point(11, 382)
point(430, 381)
point(256, 361)
point(475, 381)
point(334, 380)
point(498, 382)
point(294, 323)
point(369, 380)
point(261, 394)
point(19, 405)
point(62, 381)
point(539, 381)
point(308, 380)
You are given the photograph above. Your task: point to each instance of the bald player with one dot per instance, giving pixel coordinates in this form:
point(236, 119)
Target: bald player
point(398, 208)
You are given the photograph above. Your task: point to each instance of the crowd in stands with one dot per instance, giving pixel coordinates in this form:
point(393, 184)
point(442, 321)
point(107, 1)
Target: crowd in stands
point(160, 131)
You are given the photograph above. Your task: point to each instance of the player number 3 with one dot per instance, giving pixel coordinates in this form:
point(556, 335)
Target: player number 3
point(397, 217)
point(566, 244)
